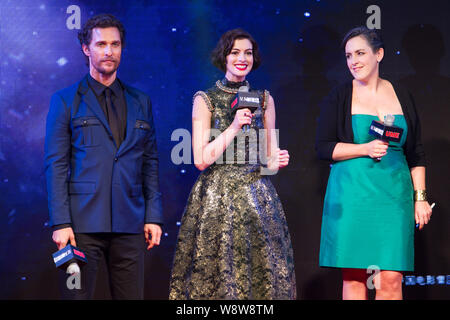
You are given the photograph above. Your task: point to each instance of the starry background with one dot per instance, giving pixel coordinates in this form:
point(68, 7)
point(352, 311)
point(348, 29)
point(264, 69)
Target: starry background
point(167, 55)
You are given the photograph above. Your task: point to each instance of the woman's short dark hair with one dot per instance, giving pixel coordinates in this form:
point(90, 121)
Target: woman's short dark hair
point(225, 44)
point(372, 36)
point(103, 20)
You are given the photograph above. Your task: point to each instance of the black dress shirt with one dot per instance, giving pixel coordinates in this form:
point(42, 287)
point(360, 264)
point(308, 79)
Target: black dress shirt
point(118, 102)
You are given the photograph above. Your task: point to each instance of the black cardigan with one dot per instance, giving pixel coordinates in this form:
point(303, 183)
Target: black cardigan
point(335, 123)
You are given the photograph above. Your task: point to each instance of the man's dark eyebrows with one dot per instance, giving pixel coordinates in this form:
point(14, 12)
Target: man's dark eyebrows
point(104, 42)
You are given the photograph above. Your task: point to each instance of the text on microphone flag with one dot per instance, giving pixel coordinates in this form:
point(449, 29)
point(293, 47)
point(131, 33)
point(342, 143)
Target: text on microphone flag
point(79, 253)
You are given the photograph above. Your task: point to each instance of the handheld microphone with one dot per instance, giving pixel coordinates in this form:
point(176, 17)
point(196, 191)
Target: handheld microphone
point(386, 131)
point(69, 258)
point(245, 99)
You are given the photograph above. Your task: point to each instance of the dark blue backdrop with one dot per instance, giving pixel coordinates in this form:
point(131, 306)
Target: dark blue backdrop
point(167, 56)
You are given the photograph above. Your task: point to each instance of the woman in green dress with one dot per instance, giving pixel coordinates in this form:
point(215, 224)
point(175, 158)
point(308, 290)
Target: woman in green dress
point(233, 242)
point(376, 189)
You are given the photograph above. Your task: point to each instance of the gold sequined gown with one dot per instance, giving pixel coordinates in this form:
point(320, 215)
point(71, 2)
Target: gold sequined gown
point(233, 242)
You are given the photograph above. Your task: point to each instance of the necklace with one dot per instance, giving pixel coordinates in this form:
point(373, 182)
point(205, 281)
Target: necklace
point(227, 89)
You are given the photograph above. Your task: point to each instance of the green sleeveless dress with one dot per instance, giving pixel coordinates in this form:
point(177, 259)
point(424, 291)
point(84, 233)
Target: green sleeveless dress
point(368, 214)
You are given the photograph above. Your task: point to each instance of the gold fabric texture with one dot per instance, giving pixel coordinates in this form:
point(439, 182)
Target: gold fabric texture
point(233, 242)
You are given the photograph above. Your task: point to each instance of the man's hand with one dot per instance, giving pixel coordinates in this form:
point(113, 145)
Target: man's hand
point(155, 232)
point(62, 236)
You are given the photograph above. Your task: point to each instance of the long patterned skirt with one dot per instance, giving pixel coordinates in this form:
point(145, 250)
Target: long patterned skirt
point(233, 242)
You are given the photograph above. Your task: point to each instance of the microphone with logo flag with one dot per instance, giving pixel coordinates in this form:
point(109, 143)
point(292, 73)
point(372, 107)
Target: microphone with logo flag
point(386, 131)
point(69, 258)
point(245, 99)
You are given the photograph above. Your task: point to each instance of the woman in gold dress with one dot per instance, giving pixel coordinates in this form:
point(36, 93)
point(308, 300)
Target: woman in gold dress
point(234, 242)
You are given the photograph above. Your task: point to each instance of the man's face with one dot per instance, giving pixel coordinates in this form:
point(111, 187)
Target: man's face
point(104, 51)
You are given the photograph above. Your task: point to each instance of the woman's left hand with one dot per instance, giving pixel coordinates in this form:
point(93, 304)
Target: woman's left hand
point(279, 160)
point(283, 158)
point(423, 213)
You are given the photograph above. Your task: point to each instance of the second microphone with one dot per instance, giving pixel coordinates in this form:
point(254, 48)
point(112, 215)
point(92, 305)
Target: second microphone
point(245, 99)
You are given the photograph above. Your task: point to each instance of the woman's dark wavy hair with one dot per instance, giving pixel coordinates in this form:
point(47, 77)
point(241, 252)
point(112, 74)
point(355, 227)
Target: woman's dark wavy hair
point(372, 36)
point(103, 20)
point(225, 44)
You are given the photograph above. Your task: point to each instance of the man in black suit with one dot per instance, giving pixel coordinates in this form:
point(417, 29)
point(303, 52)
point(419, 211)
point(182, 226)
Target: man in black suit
point(102, 167)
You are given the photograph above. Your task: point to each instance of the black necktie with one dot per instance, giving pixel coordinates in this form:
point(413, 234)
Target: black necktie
point(113, 118)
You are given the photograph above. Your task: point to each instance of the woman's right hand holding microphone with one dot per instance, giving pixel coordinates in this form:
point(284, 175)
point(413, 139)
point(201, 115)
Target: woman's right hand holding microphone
point(377, 148)
point(242, 117)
